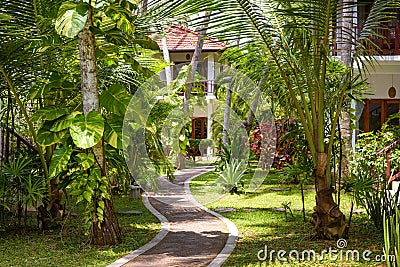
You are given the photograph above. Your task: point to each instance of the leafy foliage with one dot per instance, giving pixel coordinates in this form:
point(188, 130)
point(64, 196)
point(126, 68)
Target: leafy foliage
point(21, 185)
point(89, 188)
point(230, 176)
point(115, 99)
point(87, 130)
point(367, 182)
point(59, 161)
point(297, 38)
point(113, 131)
point(43, 68)
point(71, 18)
point(391, 229)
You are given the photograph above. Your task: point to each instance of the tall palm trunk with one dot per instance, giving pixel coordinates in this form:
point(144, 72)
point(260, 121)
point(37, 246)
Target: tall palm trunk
point(345, 56)
point(250, 116)
point(227, 114)
point(108, 232)
point(194, 62)
point(328, 220)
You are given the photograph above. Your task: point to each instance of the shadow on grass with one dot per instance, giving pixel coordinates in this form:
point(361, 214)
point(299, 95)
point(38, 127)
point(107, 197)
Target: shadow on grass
point(286, 191)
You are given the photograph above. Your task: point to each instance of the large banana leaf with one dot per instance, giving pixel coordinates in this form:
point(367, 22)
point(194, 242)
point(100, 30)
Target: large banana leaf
point(113, 131)
point(46, 137)
point(71, 18)
point(59, 160)
point(87, 131)
point(115, 99)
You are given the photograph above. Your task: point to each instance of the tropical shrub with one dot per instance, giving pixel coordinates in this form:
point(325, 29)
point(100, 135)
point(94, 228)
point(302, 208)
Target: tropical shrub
point(288, 134)
point(367, 182)
point(21, 186)
point(224, 155)
point(231, 175)
point(391, 230)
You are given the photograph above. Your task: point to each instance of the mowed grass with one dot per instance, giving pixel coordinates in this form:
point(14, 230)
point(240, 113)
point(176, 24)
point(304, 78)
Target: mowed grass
point(260, 225)
point(69, 248)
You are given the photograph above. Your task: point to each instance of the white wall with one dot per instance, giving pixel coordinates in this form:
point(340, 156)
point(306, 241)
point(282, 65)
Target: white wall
point(385, 74)
point(181, 56)
point(380, 84)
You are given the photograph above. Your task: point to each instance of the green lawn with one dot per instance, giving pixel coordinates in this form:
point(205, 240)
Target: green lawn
point(261, 225)
point(69, 249)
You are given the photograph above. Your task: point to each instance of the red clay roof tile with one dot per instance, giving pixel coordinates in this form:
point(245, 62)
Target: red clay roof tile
point(184, 39)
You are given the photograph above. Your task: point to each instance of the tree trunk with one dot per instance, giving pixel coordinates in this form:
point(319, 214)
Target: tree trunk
point(108, 232)
point(328, 220)
point(346, 22)
point(143, 6)
point(194, 62)
point(189, 84)
point(250, 117)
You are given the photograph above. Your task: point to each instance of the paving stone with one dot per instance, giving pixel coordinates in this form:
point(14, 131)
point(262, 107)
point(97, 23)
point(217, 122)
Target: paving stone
point(279, 209)
point(225, 209)
point(276, 189)
point(251, 209)
point(129, 212)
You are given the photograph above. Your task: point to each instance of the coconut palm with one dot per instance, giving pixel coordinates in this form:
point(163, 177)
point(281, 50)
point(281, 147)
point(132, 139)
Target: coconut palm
point(298, 37)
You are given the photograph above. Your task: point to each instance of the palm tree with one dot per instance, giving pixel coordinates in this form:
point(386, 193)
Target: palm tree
point(298, 38)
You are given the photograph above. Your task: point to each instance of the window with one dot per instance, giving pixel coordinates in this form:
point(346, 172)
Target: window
point(199, 128)
point(376, 112)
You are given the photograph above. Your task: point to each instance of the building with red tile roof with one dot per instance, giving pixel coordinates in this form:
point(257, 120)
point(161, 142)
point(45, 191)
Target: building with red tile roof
point(181, 39)
point(181, 43)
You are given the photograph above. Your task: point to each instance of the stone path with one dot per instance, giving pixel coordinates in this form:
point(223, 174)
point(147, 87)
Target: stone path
point(191, 235)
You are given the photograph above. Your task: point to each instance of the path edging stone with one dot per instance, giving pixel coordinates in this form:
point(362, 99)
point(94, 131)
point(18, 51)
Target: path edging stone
point(165, 227)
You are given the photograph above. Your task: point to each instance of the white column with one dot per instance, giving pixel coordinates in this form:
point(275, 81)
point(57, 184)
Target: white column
point(210, 73)
point(210, 150)
point(210, 90)
point(168, 74)
point(209, 119)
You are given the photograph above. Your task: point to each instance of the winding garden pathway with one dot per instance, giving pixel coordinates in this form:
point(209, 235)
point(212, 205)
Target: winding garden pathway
point(191, 234)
